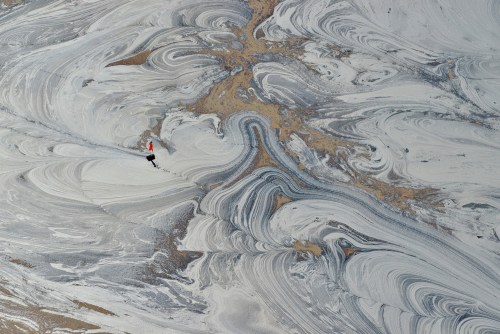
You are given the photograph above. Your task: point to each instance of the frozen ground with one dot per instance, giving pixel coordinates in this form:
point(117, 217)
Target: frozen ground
point(350, 186)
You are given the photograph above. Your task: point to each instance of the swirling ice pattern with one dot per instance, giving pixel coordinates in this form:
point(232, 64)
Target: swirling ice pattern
point(417, 59)
point(84, 217)
point(239, 230)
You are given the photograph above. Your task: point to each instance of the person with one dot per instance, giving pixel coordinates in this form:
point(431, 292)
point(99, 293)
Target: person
point(151, 157)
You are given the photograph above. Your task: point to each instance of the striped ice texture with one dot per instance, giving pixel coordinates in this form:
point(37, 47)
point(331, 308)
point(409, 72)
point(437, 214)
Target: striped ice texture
point(83, 215)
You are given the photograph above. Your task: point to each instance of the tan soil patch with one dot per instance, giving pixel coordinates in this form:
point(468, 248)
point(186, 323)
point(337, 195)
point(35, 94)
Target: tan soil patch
point(348, 251)
point(147, 134)
point(22, 317)
point(21, 263)
point(92, 307)
point(41, 318)
point(11, 326)
point(281, 200)
point(175, 260)
point(11, 2)
point(49, 321)
point(263, 159)
point(399, 197)
point(307, 247)
point(262, 9)
point(137, 59)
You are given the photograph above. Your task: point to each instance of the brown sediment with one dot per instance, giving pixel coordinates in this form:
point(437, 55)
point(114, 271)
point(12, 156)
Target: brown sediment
point(137, 59)
point(21, 263)
point(225, 98)
point(11, 2)
point(48, 321)
point(143, 140)
point(400, 197)
point(263, 159)
point(92, 307)
point(307, 247)
point(261, 10)
point(348, 251)
point(180, 259)
point(324, 143)
point(155, 130)
point(44, 320)
point(281, 200)
point(174, 260)
point(40, 319)
point(11, 326)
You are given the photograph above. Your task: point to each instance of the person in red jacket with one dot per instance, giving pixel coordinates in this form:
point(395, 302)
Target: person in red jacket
point(151, 157)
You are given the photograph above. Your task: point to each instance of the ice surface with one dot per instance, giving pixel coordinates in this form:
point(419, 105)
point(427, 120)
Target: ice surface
point(94, 239)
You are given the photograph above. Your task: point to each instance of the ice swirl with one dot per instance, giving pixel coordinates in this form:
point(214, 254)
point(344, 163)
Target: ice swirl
point(93, 238)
